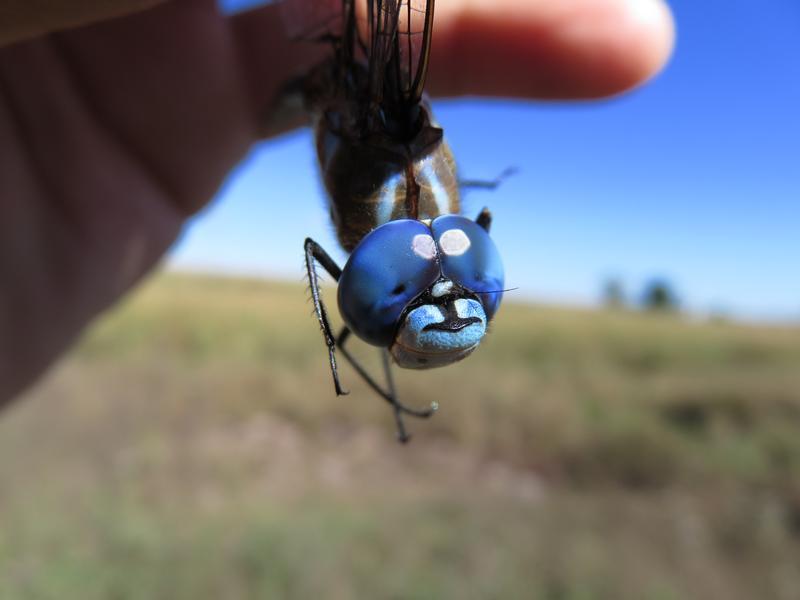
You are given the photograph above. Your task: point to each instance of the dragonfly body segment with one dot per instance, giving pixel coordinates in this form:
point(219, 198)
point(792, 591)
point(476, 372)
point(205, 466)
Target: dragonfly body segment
point(371, 182)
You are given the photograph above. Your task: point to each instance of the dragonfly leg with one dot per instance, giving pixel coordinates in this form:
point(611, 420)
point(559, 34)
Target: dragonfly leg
point(389, 394)
point(402, 436)
point(314, 252)
point(484, 219)
point(490, 184)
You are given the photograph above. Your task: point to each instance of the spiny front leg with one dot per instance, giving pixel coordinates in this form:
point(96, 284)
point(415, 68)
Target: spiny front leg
point(314, 251)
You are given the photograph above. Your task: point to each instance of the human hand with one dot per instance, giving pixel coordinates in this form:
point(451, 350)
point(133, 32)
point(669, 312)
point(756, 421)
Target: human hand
point(113, 134)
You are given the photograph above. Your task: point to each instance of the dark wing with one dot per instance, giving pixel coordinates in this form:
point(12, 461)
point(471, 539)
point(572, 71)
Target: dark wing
point(399, 41)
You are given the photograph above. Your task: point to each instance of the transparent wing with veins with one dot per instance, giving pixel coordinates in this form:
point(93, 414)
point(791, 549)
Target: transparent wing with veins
point(391, 37)
point(405, 47)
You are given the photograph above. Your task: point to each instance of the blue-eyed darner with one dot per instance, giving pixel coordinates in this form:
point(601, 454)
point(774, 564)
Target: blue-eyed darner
point(421, 282)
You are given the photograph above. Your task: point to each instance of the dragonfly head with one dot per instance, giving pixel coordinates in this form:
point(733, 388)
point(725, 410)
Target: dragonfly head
point(426, 291)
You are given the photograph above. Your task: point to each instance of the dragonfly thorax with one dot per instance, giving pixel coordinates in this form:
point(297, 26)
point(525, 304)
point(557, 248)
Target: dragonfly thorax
point(371, 181)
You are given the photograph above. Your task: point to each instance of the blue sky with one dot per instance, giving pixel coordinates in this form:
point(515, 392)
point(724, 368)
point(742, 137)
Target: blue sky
point(694, 178)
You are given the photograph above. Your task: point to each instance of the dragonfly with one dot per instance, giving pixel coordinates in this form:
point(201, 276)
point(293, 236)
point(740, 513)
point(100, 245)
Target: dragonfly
point(421, 282)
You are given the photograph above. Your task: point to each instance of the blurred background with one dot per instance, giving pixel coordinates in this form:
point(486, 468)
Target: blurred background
point(629, 429)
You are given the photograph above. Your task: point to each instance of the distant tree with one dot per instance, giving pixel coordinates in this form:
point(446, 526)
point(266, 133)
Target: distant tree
point(658, 295)
point(719, 315)
point(613, 294)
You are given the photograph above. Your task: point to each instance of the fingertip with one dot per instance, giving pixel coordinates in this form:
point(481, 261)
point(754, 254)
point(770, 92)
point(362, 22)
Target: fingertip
point(625, 44)
point(657, 25)
point(572, 49)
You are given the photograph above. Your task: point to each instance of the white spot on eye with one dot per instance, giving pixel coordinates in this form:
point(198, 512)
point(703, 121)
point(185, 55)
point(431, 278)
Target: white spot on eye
point(424, 246)
point(454, 242)
point(441, 288)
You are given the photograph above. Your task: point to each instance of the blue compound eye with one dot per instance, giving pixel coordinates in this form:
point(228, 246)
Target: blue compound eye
point(470, 258)
point(390, 267)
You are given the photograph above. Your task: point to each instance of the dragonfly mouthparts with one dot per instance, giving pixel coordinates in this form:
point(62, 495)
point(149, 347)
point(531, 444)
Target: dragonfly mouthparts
point(452, 324)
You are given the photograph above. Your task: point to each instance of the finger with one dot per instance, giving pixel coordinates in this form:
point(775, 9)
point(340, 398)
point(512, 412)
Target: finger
point(21, 19)
point(165, 83)
point(536, 49)
point(269, 59)
point(565, 49)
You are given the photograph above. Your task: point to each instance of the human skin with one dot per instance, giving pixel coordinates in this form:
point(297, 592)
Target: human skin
point(113, 131)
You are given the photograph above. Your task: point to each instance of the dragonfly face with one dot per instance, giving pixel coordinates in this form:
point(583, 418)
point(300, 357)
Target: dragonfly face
point(421, 283)
point(424, 290)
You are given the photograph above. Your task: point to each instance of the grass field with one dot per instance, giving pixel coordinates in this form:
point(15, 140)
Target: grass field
point(191, 447)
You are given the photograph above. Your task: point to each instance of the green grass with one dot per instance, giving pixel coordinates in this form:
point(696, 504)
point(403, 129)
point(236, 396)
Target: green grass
point(191, 447)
